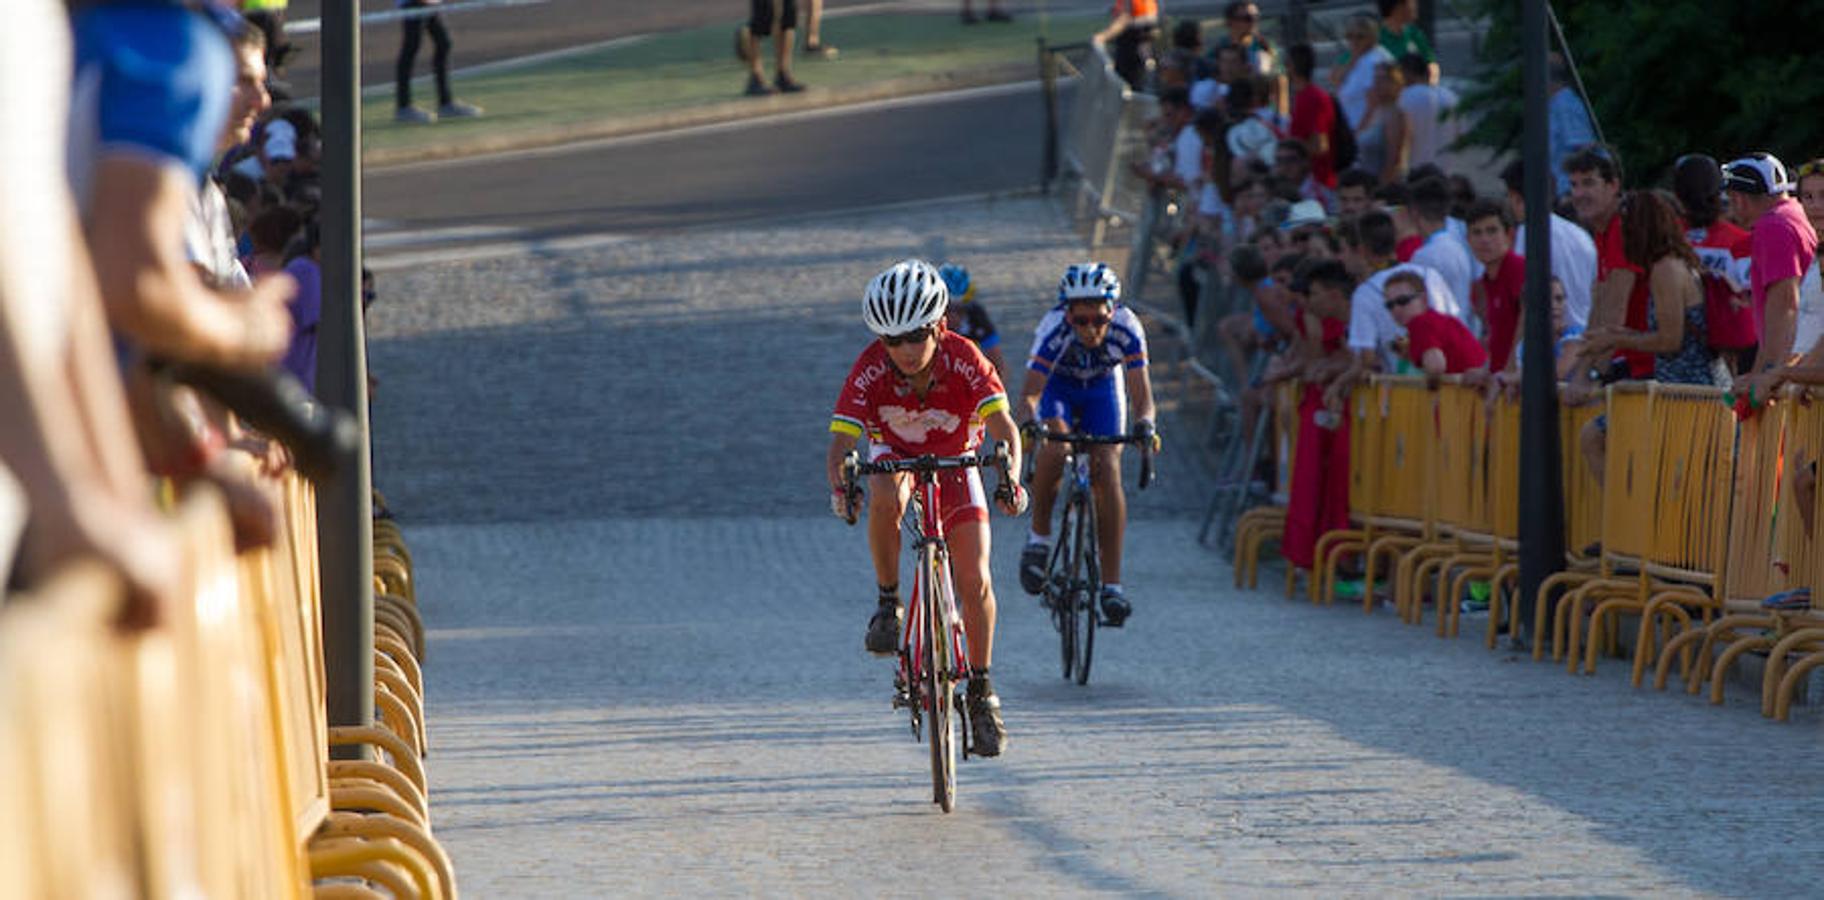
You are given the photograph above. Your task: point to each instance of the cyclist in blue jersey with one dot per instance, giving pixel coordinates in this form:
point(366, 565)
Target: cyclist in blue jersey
point(967, 317)
point(1088, 362)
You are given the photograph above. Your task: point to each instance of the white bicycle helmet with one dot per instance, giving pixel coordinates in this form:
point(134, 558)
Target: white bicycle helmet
point(1089, 281)
point(906, 297)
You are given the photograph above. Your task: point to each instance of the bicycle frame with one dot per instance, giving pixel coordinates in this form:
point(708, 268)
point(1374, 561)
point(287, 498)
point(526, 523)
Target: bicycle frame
point(933, 648)
point(933, 590)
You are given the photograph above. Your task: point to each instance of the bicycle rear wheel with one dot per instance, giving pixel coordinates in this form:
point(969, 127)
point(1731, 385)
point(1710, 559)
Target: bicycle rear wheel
point(1085, 579)
point(940, 684)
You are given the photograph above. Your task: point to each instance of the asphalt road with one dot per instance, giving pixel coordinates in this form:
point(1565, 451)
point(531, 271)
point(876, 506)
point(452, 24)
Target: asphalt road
point(974, 142)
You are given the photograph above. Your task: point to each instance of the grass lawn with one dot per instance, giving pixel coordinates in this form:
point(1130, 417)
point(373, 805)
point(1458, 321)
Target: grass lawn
point(683, 69)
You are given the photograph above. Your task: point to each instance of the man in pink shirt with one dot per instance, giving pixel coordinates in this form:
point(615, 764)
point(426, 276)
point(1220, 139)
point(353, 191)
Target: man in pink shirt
point(1781, 246)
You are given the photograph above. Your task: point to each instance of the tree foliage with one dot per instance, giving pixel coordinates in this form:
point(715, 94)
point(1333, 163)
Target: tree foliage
point(1669, 77)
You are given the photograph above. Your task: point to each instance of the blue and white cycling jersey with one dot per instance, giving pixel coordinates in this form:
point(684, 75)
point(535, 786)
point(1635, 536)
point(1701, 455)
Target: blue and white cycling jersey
point(1057, 353)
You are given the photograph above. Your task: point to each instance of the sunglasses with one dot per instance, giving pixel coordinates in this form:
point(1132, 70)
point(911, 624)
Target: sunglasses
point(1245, 17)
point(1398, 300)
point(1090, 321)
point(1815, 167)
point(916, 336)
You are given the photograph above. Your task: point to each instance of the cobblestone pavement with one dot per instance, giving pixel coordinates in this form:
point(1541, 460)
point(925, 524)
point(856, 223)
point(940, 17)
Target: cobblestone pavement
point(645, 676)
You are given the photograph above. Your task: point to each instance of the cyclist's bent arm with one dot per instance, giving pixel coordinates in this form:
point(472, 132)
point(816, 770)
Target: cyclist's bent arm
point(840, 445)
point(1030, 391)
point(999, 425)
point(1140, 391)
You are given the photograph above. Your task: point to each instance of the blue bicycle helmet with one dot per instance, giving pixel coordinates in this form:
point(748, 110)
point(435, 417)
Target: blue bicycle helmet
point(956, 279)
point(1089, 281)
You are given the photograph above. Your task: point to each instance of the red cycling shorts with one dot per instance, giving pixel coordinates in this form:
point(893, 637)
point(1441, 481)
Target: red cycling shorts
point(958, 490)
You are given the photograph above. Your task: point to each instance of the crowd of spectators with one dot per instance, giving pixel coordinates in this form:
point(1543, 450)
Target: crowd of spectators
point(160, 216)
point(1323, 226)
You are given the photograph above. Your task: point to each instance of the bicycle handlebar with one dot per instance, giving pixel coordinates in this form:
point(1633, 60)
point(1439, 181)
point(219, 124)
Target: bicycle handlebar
point(1076, 439)
point(853, 468)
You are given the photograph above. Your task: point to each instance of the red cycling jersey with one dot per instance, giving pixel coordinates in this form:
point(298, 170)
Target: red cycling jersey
point(947, 421)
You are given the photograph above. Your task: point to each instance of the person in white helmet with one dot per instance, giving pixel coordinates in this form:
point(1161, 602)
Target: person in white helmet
point(1072, 386)
point(921, 389)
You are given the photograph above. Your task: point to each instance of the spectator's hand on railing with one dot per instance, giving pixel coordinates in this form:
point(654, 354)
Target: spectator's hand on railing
point(128, 537)
point(1578, 392)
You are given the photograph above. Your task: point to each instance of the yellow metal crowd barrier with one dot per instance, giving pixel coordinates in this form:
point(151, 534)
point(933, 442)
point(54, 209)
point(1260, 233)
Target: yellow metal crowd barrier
point(1694, 521)
point(192, 759)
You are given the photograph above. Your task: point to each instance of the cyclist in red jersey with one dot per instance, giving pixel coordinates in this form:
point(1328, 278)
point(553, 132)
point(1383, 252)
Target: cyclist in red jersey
point(922, 389)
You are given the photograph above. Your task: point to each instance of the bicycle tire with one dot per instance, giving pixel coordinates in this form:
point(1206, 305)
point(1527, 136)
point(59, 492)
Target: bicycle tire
point(939, 686)
point(1061, 592)
point(1084, 596)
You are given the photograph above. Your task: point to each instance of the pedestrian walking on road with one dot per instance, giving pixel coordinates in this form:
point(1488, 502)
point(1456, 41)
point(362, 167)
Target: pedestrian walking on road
point(765, 15)
point(415, 27)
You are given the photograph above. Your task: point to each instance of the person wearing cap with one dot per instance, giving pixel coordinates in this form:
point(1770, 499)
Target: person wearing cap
point(1305, 229)
point(1781, 246)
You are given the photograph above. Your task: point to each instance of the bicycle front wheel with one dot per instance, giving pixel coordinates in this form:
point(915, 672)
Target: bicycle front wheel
point(940, 684)
point(1086, 580)
point(1060, 594)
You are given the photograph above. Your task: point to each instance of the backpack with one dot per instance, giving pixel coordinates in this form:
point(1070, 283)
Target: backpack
point(1343, 151)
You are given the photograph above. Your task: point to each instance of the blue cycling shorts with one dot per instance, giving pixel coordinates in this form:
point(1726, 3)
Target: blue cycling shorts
point(1096, 407)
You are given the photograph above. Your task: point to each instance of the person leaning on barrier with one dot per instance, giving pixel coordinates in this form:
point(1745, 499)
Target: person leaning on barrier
point(145, 127)
point(66, 441)
point(1619, 296)
point(1368, 253)
point(1782, 244)
point(1319, 500)
point(1436, 344)
point(1676, 336)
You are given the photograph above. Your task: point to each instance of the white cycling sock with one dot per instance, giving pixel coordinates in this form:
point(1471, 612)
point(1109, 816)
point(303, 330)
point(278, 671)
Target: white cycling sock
point(1112, 586)
point(1033, 537)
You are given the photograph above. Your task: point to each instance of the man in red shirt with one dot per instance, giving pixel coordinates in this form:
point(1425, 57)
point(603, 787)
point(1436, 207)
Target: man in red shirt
point(1780, 246)
point(1437, 344)
point(1498, 294)
point(1313, 114)
point(920, 389)
point(1620, 296)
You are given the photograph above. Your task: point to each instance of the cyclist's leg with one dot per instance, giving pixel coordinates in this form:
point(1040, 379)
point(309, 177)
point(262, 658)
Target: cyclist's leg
point(887, 497)
point(966, 533)
point(968, 540)
point(1111, 509)
point(1048, 459)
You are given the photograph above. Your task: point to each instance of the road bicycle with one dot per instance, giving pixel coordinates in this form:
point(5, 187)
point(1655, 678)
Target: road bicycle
point(933, 651)
point(1073, 574)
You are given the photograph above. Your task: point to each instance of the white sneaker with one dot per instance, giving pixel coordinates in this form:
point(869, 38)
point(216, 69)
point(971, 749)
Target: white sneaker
point(456, 109)
point(412, 115)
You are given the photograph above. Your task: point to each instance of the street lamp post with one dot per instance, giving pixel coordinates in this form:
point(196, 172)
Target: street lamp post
point(344, 501)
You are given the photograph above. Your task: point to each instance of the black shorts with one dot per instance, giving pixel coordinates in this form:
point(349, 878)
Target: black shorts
point(761, 21)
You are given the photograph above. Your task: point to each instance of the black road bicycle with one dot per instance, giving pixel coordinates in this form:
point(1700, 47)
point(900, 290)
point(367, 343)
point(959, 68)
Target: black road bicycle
point(1073, 575)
